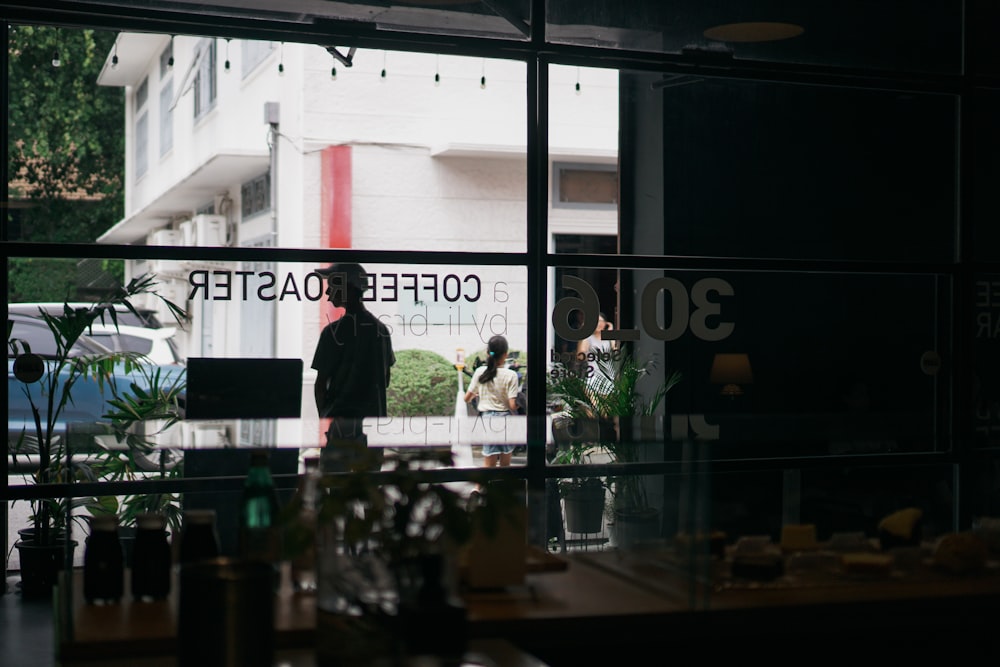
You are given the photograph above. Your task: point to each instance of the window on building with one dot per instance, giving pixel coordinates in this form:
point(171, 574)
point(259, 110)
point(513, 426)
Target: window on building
point(141, 128)
point(204, 80)
point(256, 196)
point(253, 53)
point(166, 117)
point(584, 186)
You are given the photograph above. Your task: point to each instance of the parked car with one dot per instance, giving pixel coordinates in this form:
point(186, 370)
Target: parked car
point(90, 397)
point(142, 333)
point(156, 344)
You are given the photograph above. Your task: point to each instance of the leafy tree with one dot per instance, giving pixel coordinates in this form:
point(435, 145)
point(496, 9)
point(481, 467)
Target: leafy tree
point(423, 383)
point(66, 150)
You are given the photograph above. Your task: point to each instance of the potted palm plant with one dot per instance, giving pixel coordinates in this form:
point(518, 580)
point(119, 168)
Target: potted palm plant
point(612, 393)
point(583, 497)
point(63, 391)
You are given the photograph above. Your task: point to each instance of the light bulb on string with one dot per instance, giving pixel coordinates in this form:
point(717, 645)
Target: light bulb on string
point(437, 70)
point(482, 79)
point(170, 60)
point(114, 57)
point(333, 73)
point(227, 55)
point(281, 61)
point(56, 62)
point(385, 56)
point(577, 87)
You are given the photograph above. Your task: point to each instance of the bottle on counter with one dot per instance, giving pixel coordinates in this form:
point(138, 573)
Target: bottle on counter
point(300, 533)
point(260, 529)
point(151, 558)
point(103, 562)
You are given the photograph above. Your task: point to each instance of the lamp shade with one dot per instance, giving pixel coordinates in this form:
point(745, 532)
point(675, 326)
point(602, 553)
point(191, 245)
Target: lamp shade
point(731, 370)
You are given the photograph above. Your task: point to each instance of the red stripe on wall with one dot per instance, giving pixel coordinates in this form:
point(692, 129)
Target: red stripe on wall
point(335, 203)
point(335, 220)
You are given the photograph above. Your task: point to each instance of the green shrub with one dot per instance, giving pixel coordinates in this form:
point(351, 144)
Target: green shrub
point(422, 383)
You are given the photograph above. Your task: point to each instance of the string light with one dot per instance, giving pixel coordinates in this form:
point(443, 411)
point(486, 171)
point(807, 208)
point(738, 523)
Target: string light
point(170, 60)
point(385, 56)
point(56, 62)
point(281, 61)
point(114, 57)
point(333, 73)
point(437, 70)
point(482, 79)
point(578, 81)
point(227, 54)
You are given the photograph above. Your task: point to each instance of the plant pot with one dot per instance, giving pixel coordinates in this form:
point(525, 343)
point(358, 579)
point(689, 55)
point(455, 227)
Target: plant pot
point(584, 503)
point(41, 564)
point(27, 535)
point(635, 527)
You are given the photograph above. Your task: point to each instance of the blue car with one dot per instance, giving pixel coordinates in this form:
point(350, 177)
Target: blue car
point(89, 403)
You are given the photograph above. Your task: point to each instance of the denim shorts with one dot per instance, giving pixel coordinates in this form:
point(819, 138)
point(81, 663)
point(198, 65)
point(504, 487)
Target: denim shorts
point(493, 450)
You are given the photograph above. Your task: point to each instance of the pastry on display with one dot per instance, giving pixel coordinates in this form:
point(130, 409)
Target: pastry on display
point(799, 537)
point(753, 544)
point(716, 541)
point(988, 528)
point(812, 562)
point(850, 541)
point(961, 553)
point(901, 529)
point(760, 566)
point(863, 562)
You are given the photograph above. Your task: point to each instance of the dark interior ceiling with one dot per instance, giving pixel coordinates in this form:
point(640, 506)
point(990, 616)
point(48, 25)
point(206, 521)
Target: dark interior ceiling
point(926, 38)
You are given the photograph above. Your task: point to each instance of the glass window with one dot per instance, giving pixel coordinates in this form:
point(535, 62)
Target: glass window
point(986, 353)
point(254, 52)
point(584, 186)
point(141, 128)
point(925, 38)
point(142, 144)
point(735, 168)
point(205, 78)
point(832, 386)
point(166, 117)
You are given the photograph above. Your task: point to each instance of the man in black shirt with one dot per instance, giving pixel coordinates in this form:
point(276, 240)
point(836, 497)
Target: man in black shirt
point(353, 359)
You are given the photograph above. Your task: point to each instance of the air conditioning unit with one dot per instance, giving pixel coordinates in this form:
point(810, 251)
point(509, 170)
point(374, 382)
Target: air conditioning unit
point(204, 230)
point(163, 267)
point(164, 237)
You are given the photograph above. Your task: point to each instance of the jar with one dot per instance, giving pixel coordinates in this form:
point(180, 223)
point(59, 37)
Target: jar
point(199, 537)
point(103, 562)
point(151, 558)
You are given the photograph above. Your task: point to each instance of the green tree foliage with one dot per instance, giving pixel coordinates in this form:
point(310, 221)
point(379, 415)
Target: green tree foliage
point(36, 279)
point(423, 383)
point(66, 150)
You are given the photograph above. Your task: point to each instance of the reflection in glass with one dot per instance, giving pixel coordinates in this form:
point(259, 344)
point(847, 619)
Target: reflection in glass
point(836, 385)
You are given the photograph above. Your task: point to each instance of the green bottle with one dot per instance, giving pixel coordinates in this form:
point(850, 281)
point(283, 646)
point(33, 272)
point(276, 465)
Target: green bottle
point(260, 531)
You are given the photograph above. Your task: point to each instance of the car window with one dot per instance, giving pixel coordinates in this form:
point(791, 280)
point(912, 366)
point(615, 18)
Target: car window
point(37, 335)
point(124, 342)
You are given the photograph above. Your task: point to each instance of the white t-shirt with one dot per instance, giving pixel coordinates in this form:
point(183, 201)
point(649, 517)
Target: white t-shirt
point(493, 395)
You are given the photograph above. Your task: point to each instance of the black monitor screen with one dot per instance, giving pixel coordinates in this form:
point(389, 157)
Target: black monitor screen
point(243, 388)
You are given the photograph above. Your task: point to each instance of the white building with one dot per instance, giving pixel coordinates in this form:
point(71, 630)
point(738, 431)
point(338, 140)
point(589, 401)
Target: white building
point(243, 143)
